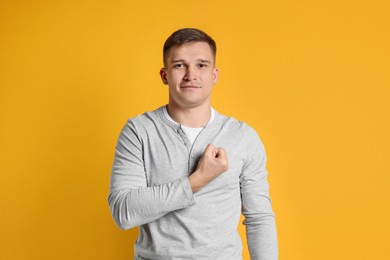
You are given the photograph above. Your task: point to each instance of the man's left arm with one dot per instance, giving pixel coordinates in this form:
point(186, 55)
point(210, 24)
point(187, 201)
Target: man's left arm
point(256, 203)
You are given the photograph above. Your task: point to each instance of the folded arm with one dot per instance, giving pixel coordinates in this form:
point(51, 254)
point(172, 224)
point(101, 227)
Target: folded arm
point(132, 202)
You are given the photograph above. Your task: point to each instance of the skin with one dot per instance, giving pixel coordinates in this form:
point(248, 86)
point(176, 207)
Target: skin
point(190, 74)
point(213, 163)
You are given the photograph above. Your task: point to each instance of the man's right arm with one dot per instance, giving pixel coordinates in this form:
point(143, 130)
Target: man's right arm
point(132, 203)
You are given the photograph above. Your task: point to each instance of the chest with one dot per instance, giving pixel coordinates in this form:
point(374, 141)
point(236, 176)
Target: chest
point(172, 156)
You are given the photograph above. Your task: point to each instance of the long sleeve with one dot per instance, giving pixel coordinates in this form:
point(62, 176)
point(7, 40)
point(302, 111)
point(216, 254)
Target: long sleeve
point(132, 202)
point(256, 204)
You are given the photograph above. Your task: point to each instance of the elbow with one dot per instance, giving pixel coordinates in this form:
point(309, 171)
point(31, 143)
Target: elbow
point(259, 219)
point(121, 222)
point(123, 225)
point(120, 212)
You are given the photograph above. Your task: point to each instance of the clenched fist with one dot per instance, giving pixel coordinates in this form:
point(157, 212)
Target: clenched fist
point(213, 162)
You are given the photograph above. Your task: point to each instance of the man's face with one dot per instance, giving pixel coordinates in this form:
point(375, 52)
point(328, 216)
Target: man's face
point(190, 74)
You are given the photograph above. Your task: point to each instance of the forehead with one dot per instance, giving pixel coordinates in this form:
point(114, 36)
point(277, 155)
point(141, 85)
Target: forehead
point(190, 51)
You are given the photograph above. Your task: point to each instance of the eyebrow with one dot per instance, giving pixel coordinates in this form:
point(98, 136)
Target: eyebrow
point(199, 60)
point(204, 61)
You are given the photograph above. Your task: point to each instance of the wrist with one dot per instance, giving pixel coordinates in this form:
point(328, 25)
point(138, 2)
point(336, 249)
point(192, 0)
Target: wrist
point(195, 181)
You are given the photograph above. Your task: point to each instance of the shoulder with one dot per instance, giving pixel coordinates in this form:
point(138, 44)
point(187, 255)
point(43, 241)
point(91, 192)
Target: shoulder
point(242, 135)
point(140, 124)
point(241, 128)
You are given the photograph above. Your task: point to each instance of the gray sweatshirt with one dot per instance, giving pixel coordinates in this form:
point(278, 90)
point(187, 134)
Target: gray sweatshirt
point(150, 189)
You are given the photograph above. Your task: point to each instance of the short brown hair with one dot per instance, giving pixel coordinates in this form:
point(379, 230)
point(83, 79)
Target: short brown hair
point(186, 35)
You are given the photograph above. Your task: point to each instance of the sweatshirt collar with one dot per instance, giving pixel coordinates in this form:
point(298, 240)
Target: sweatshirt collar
point(212, 123)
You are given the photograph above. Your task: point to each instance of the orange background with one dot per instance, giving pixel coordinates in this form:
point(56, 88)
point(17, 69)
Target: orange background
point(312, 77)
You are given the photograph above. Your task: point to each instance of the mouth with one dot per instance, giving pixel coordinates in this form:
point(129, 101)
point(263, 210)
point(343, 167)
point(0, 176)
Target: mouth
point(189, 87)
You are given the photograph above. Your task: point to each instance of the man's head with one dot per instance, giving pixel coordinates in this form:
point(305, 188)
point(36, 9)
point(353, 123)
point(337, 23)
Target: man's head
point(189, 68)
point(187, 35)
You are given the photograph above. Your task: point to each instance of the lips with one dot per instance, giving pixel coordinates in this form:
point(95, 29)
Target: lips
point(189, 86)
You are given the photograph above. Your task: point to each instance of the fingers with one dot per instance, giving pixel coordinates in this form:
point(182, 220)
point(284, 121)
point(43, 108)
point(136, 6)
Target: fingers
point(215, 152)
point(212, 163)
point(220, 152)
point(209, 151)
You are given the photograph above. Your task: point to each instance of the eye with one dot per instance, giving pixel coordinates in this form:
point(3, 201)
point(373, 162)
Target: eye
point(202, 65)
point(179, 65)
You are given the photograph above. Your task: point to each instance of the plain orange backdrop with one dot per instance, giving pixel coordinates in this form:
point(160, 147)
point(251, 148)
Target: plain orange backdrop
point(312, 77)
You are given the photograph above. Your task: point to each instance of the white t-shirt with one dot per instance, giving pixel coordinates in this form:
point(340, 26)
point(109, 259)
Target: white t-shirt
point(191, 132)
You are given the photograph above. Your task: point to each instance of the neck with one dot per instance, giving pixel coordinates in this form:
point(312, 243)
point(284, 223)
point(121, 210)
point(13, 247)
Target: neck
point(191, 117)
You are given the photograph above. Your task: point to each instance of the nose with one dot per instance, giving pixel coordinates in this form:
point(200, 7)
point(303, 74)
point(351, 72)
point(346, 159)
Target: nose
point(190, 74)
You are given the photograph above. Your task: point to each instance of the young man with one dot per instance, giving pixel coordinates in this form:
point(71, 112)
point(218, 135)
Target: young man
point(184, 173)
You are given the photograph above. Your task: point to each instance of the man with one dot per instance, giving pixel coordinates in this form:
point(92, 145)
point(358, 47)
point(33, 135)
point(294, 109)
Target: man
point(183, 173)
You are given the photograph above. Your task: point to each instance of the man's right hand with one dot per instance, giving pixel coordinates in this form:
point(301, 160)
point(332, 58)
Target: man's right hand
point(213, 163)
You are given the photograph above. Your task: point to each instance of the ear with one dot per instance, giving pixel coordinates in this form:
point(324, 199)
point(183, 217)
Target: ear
point(163, 75)
point(215, 75)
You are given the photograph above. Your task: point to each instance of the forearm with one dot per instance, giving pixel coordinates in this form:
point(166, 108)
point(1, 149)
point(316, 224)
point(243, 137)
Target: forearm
point(134, 207)
point(262, 239)
point(260, 224)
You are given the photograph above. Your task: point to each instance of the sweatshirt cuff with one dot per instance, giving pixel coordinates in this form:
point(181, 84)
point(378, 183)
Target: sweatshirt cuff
point(188, 191)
